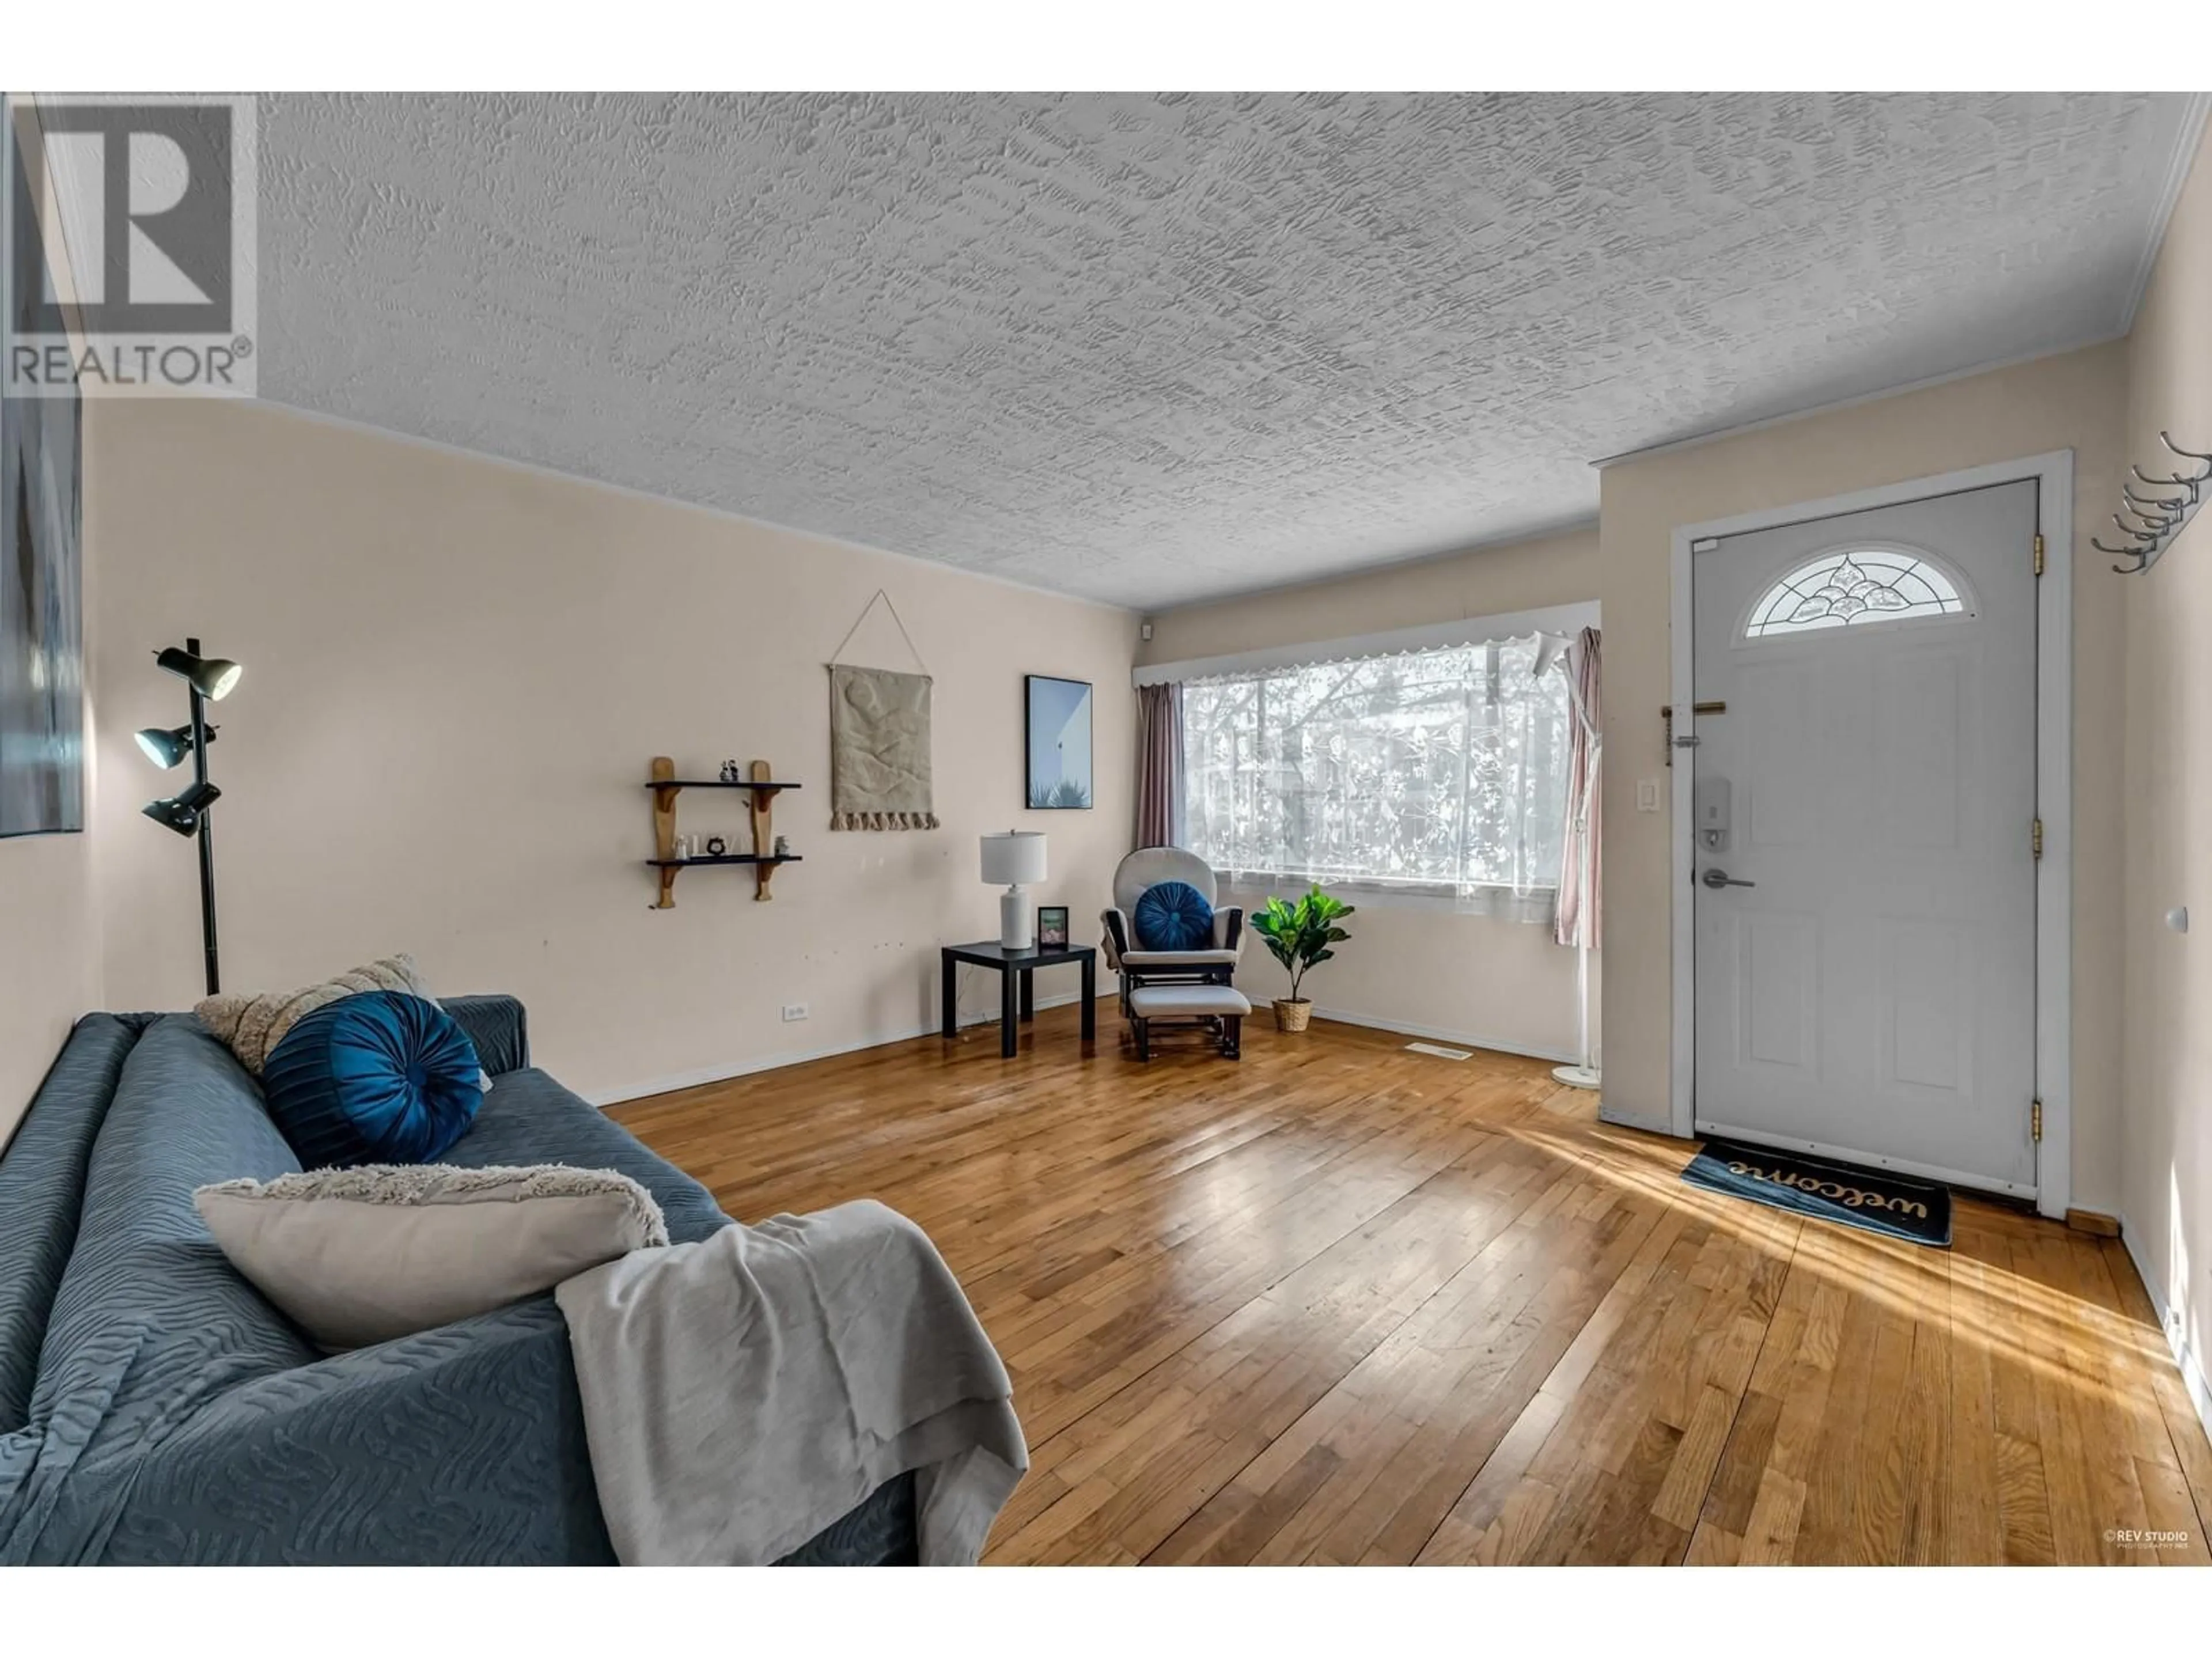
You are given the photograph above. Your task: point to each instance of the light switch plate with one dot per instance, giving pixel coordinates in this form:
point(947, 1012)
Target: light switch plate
point(1647, 794)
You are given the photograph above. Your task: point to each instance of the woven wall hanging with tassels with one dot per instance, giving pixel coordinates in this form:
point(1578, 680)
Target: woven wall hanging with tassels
point(880, 764)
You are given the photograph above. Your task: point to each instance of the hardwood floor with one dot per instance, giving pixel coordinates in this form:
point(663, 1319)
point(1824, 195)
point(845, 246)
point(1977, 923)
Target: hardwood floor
point(1339, 1303)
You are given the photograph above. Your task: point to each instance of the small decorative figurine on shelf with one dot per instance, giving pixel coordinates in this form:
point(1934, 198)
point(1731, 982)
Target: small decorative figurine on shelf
point(783, 846)
point(716, 846)
point(731, 773)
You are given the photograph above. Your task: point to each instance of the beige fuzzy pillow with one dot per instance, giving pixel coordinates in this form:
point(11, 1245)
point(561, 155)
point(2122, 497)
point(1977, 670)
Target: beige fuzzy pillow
point(253, 1023)
point(362, 1256)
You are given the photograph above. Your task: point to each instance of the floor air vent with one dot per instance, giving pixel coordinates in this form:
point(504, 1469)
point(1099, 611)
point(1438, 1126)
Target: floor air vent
point(1439, 1051)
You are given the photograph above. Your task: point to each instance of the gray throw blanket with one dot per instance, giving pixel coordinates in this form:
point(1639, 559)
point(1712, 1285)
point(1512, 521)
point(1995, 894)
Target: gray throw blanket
point(743, 1392)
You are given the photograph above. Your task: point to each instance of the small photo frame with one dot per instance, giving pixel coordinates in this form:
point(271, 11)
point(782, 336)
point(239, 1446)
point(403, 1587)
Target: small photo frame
point(1052, 927)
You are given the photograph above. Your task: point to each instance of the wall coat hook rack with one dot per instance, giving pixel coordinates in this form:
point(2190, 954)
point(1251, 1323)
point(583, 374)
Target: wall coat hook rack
point(2151, 521)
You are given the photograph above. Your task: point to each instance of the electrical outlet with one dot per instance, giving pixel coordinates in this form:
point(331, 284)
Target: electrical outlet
point(794, 1011)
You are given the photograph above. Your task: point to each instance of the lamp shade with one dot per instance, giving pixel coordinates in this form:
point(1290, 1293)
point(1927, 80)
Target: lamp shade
point(213, 676)
point(169, 746)
point(183, 812)
point(1014, 858)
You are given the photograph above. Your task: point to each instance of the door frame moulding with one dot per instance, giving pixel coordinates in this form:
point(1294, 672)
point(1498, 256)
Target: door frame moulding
point(2053, 473)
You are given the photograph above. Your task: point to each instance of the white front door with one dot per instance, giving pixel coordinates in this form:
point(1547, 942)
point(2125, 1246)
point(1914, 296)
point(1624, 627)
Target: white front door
point(1866, 986)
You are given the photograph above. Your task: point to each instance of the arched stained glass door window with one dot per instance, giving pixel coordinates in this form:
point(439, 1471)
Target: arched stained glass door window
point(1854, 587)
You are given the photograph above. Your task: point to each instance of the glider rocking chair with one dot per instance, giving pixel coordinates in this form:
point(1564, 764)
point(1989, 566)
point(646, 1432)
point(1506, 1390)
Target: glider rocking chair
point(1195, 983)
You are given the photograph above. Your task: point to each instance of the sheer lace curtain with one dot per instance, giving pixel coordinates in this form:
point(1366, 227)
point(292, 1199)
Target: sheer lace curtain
point(1579, 890)
point(1441, 773)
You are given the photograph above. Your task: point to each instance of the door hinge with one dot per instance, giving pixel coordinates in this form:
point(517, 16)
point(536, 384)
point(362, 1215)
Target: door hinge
point(2035, 1120)
point(2035, 837)
point(2038, 555)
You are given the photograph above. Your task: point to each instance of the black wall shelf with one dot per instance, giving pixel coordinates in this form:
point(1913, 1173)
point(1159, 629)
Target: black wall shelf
point(763, 789)
point(726, 858)
point(718, 783)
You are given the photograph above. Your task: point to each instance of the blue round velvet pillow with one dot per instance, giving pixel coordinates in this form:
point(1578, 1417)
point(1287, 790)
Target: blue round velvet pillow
point(1173, 915)
point(378, 1077)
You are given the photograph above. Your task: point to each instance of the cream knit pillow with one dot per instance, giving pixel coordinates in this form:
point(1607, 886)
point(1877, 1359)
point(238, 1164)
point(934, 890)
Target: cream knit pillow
point(252, 1024)
point(362, 1256)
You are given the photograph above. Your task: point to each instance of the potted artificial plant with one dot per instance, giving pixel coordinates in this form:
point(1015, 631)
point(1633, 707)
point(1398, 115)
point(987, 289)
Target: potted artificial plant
point(1300, 936)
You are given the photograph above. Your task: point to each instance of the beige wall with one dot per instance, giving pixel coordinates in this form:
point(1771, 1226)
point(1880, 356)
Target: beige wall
point(457, 672)
point(1483, 581)
point(2166, 1133)
point(2071, 401)
point(1499, 984)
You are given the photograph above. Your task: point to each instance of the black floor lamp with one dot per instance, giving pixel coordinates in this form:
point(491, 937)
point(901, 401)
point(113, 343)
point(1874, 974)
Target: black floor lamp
point(186, 812)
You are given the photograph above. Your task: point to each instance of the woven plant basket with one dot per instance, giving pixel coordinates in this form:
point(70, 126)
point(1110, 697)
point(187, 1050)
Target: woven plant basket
point(1292, 1016)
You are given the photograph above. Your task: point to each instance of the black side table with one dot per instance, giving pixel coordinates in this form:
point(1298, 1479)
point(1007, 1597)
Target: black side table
point(1016, 994)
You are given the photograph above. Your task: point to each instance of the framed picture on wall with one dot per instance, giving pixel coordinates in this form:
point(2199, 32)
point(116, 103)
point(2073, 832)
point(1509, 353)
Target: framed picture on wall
point(41, 571)
point(1057, 738)
point(1052, 927)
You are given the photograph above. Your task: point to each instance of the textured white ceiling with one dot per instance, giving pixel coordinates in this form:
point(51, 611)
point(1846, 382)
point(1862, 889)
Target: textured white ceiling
point(1152, 349)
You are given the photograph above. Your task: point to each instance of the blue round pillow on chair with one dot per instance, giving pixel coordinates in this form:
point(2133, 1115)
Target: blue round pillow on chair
point(377, 1078)
point(1173, 915)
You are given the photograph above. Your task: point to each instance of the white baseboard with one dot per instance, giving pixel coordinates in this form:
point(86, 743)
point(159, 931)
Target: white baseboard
point(1440, 1034)
point(782, 1058)
point(2176, 1338)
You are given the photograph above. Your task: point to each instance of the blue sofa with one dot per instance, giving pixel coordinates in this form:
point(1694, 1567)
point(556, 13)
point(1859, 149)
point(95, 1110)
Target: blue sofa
point(155, 1409)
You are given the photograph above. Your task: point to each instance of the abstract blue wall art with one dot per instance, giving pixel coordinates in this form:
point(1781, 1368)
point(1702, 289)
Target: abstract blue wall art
point(1059, 740)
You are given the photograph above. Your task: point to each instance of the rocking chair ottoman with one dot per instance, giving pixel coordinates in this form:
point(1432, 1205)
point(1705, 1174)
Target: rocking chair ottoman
point(1219, 1009)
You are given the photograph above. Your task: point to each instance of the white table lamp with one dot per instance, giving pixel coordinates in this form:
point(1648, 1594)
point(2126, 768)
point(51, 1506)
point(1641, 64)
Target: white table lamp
point(1015, 857)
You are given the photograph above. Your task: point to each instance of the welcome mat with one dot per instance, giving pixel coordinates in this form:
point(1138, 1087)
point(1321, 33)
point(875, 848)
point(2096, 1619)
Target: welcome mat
point(1870, 1199)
